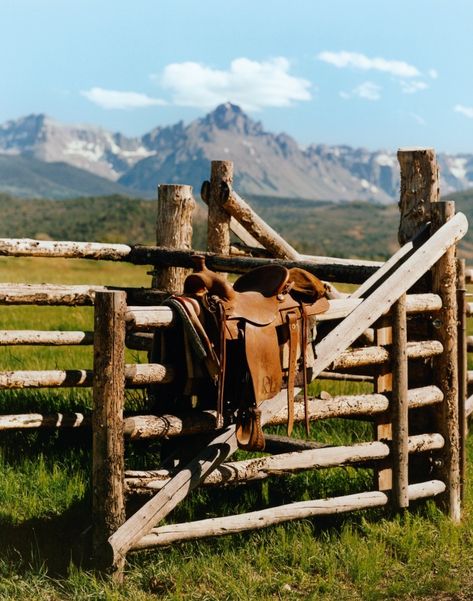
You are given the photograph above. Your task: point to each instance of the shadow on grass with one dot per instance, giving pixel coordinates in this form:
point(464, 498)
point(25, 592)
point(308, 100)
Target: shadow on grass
point(51, 543)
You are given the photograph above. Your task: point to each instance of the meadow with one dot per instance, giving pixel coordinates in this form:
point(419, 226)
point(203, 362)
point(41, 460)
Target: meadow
point(45, 501)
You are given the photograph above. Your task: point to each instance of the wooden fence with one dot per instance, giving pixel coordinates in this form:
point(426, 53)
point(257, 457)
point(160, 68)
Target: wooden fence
point(403, 330)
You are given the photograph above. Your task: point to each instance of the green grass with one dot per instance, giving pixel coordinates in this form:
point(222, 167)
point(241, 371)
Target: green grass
point(45, 502)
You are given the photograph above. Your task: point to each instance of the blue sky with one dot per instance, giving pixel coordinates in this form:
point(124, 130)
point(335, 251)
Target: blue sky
point(367, 73)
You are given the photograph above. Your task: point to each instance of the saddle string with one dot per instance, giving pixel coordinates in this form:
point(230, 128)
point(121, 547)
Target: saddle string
point(291, 320)
point(221, 316)
point(304, 324)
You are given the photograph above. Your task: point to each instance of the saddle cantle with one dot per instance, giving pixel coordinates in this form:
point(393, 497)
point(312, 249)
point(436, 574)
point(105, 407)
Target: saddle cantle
point(253, 339)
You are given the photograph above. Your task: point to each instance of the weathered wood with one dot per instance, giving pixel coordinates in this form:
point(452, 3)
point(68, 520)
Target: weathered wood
point(383, 385)
point(376, 355)
point(388, 292)
point(445, 372)
point(149, 318)
point(388, 268)
point(332, 375)
point(285, 463)
point(246, 238)
point(25, 247)
point(135, 375)
point(173, 230)
point(38, 420)
point(108, 504)
point(166, 535)
point(156, 426)
point(163, 257)
point(48, 294)
point(141, 341)
point(238, 208)
point(462, 368)
point(469, 406)
point(218, 223)
point(419, 189)
point(195, 422)
point(220, 448)
point(45, 337)
point(400, 405)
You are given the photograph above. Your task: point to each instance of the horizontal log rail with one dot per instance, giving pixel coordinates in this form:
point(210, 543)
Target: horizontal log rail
point(276, 465)
point(27, 247)
point(48, 294)
point(149, 317)
point(28, 421)
point(155, 426)
point(164, 257)
point(173, 533)
point(45, 337)
point(333, 375)
point(196, 422)
point(469, 406)
point(375, 355)
point(135, 375)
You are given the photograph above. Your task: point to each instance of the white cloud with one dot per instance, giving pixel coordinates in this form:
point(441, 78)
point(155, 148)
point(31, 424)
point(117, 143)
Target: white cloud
point(411, 87)
point(433, 73)
point(357, 60)
point(464, 110)
point(114, 99)
point(250, 84)
point(366, 90)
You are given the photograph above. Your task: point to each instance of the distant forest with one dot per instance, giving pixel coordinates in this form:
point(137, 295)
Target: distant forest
point(352, 230)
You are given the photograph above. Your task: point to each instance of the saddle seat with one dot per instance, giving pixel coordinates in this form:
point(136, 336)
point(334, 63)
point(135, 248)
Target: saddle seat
point(257, 338)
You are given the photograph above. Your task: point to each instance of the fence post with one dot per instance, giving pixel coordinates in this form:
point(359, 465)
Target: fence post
point(399, 405)
point(419, 189)
point(383, 384)
point(173, 230)
point(445, 372)
point(108, 505)
point(218, 224)
point(462, 367)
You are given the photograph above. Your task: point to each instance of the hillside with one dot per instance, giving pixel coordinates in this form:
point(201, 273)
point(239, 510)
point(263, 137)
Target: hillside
point(29, 177)
point(354, 230)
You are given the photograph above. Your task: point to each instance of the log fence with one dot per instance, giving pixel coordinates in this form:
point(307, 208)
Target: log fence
point(402, 332)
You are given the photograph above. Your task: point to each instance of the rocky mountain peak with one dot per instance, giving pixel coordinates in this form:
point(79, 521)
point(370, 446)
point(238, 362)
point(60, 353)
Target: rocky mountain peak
point(230, 117)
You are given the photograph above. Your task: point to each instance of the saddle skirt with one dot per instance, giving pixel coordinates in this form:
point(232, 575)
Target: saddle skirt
point(249, 340)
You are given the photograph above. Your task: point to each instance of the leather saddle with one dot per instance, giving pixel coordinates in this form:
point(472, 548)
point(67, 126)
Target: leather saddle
point(253, 338)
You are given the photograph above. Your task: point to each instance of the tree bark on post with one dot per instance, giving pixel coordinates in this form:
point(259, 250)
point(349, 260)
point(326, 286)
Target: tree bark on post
point(218, 224)
point(383, 384)
point(419, 189)
point(462, 367)
point(108, 505)
point(444, 280)
point(400, 406)
point(173, 230)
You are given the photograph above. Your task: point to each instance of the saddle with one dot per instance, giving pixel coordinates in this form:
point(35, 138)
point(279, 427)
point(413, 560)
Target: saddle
point(249, 340)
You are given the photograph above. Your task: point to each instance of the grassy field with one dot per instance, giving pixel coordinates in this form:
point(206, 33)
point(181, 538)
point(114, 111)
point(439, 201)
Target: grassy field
point(45, 502)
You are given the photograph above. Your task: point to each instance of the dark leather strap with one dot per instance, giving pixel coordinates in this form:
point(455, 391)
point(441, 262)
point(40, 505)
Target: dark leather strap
point(222, 364)
point(291, 319)
point(304, 342)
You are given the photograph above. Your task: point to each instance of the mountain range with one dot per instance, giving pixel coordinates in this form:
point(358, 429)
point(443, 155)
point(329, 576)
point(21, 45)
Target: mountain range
point(41, 157)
